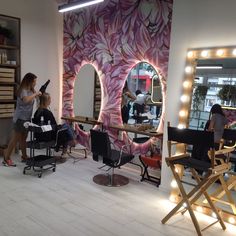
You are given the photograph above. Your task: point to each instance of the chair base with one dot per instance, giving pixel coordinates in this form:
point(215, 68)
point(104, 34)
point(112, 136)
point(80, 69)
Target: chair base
point(110, 181)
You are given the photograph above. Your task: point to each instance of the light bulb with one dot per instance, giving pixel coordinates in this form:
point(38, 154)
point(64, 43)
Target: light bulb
point(172, 198)
point(214, 215)
point(220, 52)
point(232, 220)
point(182, 113)
point(234, 52)
point(181, 126)
point(190, 54)
point(173, 184)
point(186, 84)
point(184, 98)
point(188, 69)
point(204, 53)
point(199, 209)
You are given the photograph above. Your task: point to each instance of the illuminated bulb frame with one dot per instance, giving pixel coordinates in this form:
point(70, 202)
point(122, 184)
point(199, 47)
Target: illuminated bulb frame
point(190, 71)
point(191, 62)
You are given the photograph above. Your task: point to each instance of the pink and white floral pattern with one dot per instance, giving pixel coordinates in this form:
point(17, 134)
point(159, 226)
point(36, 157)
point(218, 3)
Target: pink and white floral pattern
point(114, 36)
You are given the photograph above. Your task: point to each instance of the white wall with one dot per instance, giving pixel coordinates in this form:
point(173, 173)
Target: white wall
point(195, 24)
point(41, 42)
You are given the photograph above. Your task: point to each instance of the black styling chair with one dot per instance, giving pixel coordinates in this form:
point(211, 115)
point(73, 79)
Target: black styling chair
point(102, 151)
point(210, 170)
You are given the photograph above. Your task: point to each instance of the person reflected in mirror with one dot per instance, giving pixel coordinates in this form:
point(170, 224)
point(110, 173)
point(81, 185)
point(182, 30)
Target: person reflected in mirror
point(49, 119)
point(140, 102)
point(217, 122)
point(127, 97)
point(26, 95)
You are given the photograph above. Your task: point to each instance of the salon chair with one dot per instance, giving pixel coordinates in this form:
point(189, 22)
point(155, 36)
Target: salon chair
point(211, 171)
point(102, 152)
point(43, 139)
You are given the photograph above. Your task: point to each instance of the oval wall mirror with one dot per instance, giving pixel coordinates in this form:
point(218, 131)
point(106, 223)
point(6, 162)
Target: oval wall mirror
point(86, 102)
point(142, 96)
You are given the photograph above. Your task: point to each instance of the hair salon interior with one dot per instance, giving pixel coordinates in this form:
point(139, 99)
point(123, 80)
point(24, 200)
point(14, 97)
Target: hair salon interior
point(122, 73)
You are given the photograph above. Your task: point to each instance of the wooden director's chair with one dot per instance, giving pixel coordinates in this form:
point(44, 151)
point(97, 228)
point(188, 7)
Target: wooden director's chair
point(201, 141)
point(223, 156)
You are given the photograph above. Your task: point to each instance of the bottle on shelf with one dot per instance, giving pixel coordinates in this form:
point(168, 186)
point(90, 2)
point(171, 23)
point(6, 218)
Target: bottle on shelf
point(4, 58)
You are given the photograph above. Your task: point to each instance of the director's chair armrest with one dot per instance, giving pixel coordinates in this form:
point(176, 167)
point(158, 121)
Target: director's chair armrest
point(176, 157)
point(221, 169)
point(223, 154)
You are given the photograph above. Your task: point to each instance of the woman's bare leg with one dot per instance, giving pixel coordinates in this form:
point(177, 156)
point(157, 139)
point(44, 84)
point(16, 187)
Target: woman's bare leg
point(12, 145)
point(22, 141)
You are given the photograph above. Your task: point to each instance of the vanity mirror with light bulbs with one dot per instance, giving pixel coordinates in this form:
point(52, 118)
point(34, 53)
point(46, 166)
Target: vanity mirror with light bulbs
point(208, 72)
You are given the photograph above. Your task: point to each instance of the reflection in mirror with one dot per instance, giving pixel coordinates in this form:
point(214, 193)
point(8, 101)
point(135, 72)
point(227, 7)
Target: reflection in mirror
point(87, 78)
point(144, 97)
point(214, 82)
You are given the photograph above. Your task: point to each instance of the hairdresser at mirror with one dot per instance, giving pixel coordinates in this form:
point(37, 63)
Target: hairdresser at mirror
point(217, 122)
point(127, 96)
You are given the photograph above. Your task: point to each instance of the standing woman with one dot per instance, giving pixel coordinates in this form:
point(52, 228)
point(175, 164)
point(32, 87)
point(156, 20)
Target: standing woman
point(217, 123)
point(26, 95)
point(125, 107)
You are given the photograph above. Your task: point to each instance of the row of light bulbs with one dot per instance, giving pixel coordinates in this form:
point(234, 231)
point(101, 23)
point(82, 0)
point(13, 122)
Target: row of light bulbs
point(218, 53)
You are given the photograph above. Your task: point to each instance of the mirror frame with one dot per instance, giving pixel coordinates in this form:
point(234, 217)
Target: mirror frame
point(193, 55)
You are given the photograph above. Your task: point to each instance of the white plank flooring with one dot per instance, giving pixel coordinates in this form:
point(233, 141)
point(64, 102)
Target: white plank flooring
point(67, 202)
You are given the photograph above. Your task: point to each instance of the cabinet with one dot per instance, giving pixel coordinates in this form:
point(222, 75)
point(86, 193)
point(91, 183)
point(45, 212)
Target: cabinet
point(10, 71)
point(97, 96)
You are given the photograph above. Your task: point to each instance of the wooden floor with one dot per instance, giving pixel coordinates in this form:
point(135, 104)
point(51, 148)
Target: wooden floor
point(67, 202)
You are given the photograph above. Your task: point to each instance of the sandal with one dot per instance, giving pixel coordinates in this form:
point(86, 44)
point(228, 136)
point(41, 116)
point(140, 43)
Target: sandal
point(8, 163)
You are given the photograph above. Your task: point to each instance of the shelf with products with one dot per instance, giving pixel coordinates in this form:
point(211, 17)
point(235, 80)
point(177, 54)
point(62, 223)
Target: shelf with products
point(10, 71)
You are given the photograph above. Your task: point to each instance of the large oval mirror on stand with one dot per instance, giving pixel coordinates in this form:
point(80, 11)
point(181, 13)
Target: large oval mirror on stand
point(210, 78)
point(87, 93)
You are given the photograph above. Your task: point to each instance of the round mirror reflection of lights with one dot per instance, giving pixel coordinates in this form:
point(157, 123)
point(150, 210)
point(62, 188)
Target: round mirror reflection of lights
point(142, 97)
point(87, 93)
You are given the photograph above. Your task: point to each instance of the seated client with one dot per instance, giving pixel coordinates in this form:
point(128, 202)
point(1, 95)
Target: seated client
point(140, 102)
point(44, 114)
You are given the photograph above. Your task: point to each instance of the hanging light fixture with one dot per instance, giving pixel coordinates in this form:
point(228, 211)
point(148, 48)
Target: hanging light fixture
point(77, 5)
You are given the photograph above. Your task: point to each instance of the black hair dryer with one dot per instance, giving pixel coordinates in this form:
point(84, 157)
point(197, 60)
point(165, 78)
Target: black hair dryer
point(43, 87)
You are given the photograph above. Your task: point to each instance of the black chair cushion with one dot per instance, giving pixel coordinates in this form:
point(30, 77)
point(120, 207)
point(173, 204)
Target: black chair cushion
point(141, 139)
point(193, 163)
point(40, 145)
point(114, 158)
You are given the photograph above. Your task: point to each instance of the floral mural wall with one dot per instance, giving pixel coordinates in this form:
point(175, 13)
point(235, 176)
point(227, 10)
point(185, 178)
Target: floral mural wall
point(114, 36)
